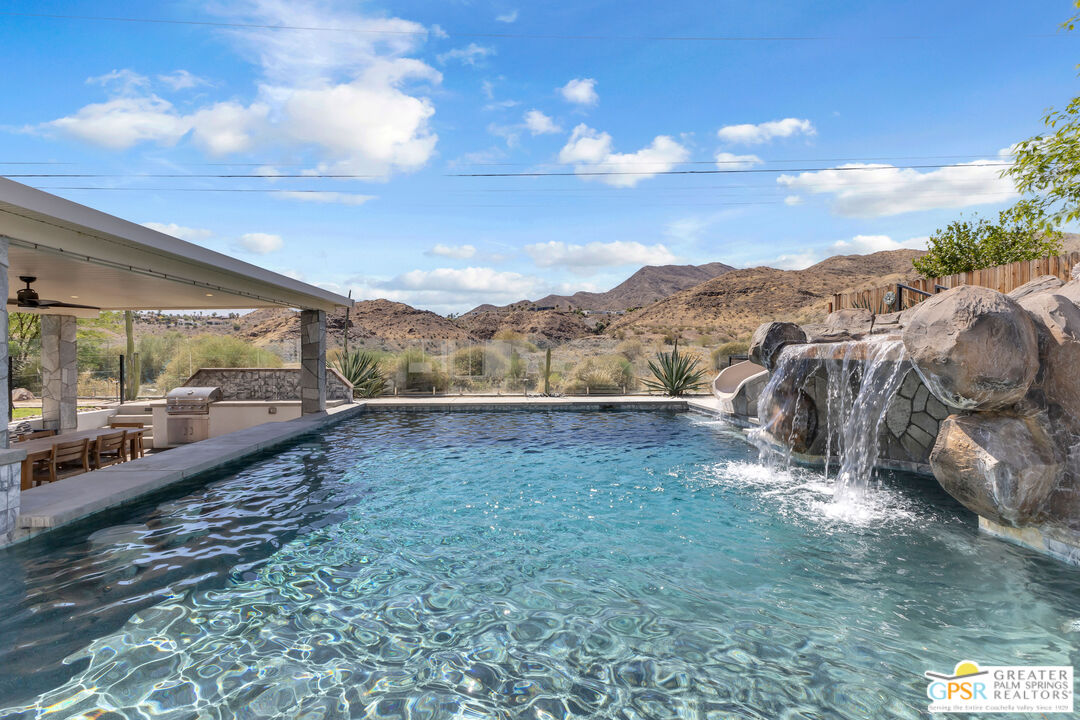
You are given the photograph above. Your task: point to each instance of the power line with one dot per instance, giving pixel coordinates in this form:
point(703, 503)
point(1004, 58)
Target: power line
point(574, 173)
point(491, 35)
point(580, 173)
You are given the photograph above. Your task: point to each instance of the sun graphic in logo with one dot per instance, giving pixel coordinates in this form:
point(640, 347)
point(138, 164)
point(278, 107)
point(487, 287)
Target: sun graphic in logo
point(964, 669)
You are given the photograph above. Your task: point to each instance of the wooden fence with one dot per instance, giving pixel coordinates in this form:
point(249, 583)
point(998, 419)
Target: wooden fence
point(1003, 278)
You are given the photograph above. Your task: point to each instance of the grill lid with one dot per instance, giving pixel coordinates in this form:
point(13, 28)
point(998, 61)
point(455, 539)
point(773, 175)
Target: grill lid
point(191, 398)
point(206, 394)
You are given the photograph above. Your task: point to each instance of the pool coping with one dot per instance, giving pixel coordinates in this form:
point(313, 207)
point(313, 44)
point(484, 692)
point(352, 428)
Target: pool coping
point(62, 503)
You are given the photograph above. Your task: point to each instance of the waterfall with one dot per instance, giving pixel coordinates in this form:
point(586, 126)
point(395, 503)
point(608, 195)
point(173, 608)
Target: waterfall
point(858, 417)
point(860, 379)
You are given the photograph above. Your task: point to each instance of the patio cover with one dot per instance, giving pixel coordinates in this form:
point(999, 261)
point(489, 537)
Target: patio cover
point(84, 256)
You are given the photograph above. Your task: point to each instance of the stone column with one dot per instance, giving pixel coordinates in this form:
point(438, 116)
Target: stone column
point(312, 361)
point(10, 460)
point(59, 376)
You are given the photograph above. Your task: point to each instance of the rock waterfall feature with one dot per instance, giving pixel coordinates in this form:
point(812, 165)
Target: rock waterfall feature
point(979, 388)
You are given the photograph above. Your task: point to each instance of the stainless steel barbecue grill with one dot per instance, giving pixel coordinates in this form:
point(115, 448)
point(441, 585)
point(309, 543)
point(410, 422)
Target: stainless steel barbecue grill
point(188, 413)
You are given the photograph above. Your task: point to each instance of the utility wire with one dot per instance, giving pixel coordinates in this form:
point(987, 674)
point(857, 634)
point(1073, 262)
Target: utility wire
point(574, 173)
point(580, 173)
point(269, 163)
point(490, 35)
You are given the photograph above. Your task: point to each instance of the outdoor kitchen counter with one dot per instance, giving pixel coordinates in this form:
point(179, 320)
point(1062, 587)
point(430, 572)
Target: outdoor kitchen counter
point(227, 416)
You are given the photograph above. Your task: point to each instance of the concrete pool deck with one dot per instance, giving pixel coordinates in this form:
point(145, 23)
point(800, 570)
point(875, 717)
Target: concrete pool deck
point(68, 501)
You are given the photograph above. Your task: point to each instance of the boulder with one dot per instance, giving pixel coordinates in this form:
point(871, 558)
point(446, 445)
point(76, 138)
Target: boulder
point(790, 416)
point(770, 338)
point(855, 322)
point(974, 347)
point(1071, 289)
point(1057, 321)
point(1042, 284)
point(21, 395)
point(1000, 466)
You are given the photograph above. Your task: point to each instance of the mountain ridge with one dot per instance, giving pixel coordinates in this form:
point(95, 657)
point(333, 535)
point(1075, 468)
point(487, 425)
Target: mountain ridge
point(647, 285)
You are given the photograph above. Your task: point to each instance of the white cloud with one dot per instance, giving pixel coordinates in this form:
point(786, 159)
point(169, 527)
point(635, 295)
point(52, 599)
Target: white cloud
point(795, 261)
point(509, 17)
point(227, 127)
point(731, 161)
point(858, 245)
point(687, 229)
point(179, 231)
point(889, 190)
point(749, 134)
point(122, 122)
point(863, 244)
point(347, 97)
point(581, 91)
point(472, 55)
point(540, 124)
point(260, 243)
point(793, 200)
point(327, 197)
point(459, 252)
point(123, 81)
point(451, 289)
point(181, 80)
point(590, 151)
point(585, 258)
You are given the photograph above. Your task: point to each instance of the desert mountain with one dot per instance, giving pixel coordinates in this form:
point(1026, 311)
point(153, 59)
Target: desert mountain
point(373, 323)
point(735, 303)
point(546, 328)
point(646, 286)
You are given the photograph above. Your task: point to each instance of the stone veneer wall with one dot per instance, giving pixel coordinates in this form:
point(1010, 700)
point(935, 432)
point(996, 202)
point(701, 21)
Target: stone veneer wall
point(265, 383)
point(59, 374)
point(10, 493)
point(912, 421)
point(907, 435)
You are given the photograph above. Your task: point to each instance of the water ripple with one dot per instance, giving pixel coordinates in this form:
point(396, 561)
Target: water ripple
point(617, 565)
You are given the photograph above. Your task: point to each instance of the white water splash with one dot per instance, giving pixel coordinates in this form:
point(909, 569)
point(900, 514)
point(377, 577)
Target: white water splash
point(859, 418)
point(807, 494)
point(862, 378)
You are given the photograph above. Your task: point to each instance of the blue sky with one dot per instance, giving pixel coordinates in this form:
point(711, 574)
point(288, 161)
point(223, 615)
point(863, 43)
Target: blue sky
point(411, 94)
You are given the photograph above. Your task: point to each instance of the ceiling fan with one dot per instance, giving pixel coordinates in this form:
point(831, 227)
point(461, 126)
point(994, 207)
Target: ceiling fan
point(27, 297)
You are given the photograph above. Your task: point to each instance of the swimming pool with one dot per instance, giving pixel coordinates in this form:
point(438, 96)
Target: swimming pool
point(532, 564)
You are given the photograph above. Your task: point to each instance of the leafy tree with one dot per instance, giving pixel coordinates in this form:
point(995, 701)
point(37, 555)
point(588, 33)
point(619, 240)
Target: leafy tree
point(967, 245)
point(1047, 166)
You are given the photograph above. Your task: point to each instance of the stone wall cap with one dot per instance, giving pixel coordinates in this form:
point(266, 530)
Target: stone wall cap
point(11, 455)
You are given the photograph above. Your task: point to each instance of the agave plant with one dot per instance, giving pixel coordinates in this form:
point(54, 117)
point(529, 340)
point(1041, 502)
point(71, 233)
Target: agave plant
point(675, 374)
point(362, 370)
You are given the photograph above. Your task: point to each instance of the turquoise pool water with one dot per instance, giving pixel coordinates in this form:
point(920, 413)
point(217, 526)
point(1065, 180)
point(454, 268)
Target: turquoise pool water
point(533, 565)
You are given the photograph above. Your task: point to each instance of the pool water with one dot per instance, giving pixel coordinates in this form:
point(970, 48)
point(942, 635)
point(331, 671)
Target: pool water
point(534, 565)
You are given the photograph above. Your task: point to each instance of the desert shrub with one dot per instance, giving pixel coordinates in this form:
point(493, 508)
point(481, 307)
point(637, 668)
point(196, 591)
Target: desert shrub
point(476, 361)
point(607, 373)
point(515, 339)
point(419, 371)
point(722, 352)
point(630, 349)
point(155, 351)
point(212, 351)
point(670, 337)
point(92, 384)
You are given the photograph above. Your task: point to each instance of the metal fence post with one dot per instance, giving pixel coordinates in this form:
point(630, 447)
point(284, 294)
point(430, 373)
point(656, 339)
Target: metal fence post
point(121, 379)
